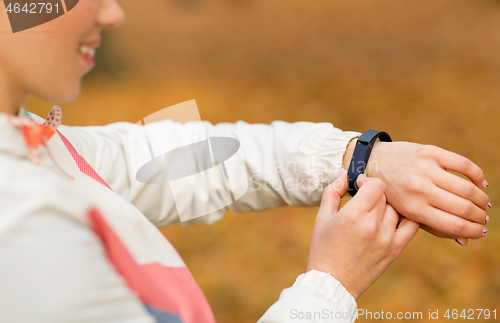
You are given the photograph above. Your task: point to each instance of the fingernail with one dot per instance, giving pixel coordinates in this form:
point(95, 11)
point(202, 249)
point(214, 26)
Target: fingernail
point(457, 240)
point(342, 171)
point(487, 220)
point(485, 184)
point(485, 232)
point(489, 206)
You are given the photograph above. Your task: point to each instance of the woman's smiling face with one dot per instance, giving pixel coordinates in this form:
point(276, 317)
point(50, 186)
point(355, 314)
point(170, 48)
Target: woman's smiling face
point(49, 61)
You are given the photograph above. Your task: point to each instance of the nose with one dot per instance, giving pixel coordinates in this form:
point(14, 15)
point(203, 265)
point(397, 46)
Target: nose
point(111, 14)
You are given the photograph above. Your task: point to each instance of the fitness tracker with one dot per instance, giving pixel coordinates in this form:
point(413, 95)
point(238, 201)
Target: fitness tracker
point(359, 159)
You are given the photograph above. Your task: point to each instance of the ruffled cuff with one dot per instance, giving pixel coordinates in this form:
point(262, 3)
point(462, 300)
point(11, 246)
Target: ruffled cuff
point(327, 149)
point(329, 288)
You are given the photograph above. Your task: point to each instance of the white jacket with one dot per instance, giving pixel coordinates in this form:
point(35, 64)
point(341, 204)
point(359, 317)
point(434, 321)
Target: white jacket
point(54, 264)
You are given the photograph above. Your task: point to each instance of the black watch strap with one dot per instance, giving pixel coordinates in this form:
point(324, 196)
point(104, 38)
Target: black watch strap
point(360, 157)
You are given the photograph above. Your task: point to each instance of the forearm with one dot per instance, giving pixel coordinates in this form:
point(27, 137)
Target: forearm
point(290, 163)
point(285, 164)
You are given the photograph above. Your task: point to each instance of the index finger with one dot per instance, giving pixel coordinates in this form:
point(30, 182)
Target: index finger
point(455, 162)
point(370, 192)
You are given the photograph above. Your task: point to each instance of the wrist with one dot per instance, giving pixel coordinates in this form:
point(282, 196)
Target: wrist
point(376, 158)
point(342, 277)
point(327, 287)
point(346, 159)
point(360, 160)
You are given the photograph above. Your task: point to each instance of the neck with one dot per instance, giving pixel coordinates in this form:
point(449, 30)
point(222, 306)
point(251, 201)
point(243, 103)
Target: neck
point(11, 96)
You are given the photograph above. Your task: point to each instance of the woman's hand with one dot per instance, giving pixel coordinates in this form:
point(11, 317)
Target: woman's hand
point(357, 243)
point(420, 188)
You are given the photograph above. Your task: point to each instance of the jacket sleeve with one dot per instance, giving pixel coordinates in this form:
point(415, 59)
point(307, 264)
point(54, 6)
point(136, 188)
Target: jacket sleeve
point(315, 297)
point(276, 164)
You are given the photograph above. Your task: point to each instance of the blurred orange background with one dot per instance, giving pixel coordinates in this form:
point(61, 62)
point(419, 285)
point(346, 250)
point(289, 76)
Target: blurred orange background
point(425, 71)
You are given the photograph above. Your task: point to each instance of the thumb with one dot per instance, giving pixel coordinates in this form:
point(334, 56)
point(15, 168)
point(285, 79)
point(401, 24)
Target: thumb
point(332, 196)
point(362, 179)
point(405, 232)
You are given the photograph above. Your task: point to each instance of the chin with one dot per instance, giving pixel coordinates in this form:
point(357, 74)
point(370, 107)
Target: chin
point(63, 94)
point(69, 98)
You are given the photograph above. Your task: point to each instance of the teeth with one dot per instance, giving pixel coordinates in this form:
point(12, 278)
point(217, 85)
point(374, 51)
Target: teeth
point(87, 50)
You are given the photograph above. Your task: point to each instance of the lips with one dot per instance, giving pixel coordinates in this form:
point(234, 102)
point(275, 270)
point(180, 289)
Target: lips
point(87, 50)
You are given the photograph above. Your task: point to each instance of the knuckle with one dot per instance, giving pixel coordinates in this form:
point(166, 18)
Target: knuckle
point(457, 227)
point(475, 172)
point(468, 189)
point(406, 208)
point(370, 229)
point(429, 150)
point(465, 164)
point(409, 209)
point(384, 241)
point(478, 172)
point(414, 184)
point(467, 208)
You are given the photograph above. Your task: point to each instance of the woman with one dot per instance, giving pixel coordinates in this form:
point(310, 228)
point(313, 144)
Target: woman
point(77, 239)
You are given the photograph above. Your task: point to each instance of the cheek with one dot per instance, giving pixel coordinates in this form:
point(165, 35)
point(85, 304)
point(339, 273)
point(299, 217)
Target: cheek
point(71, 30)
point(58, 63)
point(44, 60)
